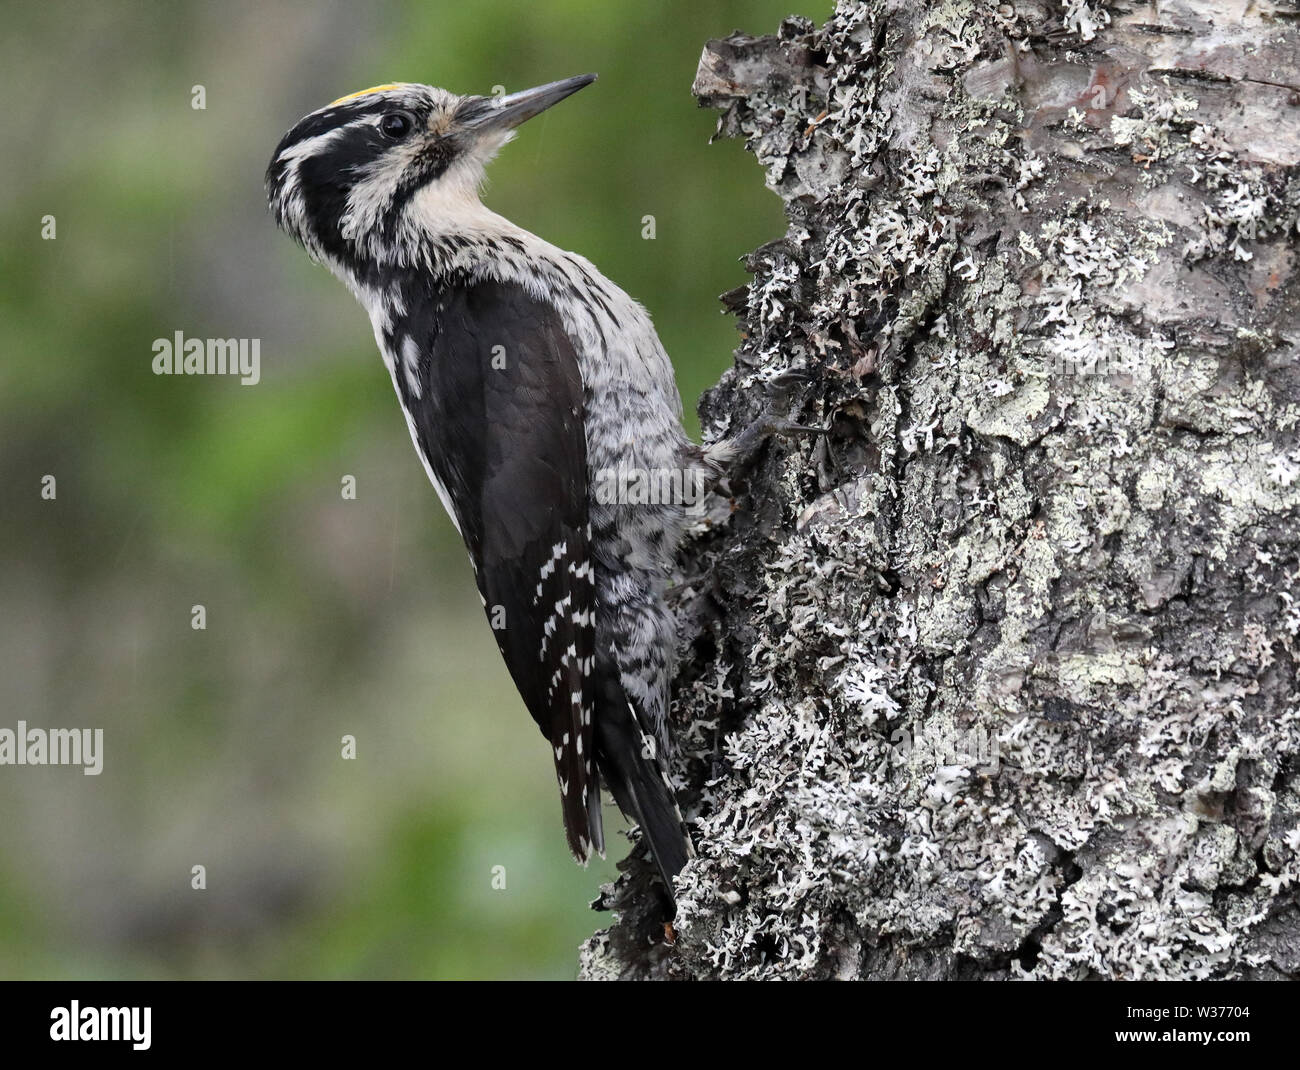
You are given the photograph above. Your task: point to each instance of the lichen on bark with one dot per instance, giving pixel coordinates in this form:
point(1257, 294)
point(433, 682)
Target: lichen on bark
point(998, 678)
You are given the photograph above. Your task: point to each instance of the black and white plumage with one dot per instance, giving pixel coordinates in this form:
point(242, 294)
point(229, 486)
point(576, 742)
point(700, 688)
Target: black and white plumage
point(524, 375)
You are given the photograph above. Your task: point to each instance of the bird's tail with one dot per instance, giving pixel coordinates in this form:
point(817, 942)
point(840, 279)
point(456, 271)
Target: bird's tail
point(636, 774)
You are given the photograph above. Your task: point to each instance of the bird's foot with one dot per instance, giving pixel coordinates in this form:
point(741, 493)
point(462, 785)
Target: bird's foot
point(737, 451)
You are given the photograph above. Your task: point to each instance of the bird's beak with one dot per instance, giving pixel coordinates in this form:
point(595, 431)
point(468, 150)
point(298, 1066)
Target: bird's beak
point(484, 114)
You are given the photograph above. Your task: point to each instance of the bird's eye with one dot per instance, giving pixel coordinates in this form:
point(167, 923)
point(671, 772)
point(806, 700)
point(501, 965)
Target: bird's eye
point(395, 125)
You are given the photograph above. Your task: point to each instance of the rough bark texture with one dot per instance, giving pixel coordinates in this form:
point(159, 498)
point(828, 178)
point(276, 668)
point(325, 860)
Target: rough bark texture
point(999, 678)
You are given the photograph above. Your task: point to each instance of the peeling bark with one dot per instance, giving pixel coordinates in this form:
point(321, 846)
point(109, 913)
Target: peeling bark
point(998, 679)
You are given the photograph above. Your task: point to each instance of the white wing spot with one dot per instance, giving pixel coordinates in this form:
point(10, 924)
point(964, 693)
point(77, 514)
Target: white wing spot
point(411, 366)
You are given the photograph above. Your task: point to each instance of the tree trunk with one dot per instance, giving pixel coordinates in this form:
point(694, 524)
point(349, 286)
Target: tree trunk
point(998, 678)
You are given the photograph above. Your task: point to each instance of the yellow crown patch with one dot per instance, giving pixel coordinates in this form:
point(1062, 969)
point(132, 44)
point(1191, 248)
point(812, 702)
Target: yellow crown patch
point(365, 92)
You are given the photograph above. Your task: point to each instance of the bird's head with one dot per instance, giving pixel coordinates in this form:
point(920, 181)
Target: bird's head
point(360, 180)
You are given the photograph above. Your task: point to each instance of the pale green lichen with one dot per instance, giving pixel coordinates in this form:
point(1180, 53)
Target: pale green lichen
point(1003, 680)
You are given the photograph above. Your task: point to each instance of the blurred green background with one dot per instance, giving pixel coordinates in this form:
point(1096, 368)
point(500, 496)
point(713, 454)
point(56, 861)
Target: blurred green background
point(325, 617)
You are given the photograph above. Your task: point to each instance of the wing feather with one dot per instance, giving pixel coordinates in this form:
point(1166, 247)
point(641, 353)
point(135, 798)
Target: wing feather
point(497, 402)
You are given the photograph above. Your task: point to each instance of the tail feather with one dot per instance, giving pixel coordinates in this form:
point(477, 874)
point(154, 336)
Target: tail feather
point(637, 780)
point(649, 800)
point(583, 827)
point(595, 825)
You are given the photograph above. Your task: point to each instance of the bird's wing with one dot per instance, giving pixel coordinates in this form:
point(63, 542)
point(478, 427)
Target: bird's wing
point(499, 420)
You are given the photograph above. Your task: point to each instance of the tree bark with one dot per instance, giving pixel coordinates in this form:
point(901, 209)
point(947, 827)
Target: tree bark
point(998, 678)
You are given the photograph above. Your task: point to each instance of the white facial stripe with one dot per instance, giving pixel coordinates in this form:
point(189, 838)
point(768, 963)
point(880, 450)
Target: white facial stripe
point(292, 205)
point(379, 183)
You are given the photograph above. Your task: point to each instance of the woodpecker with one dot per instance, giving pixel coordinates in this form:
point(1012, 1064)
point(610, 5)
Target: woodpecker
point(526, 377)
